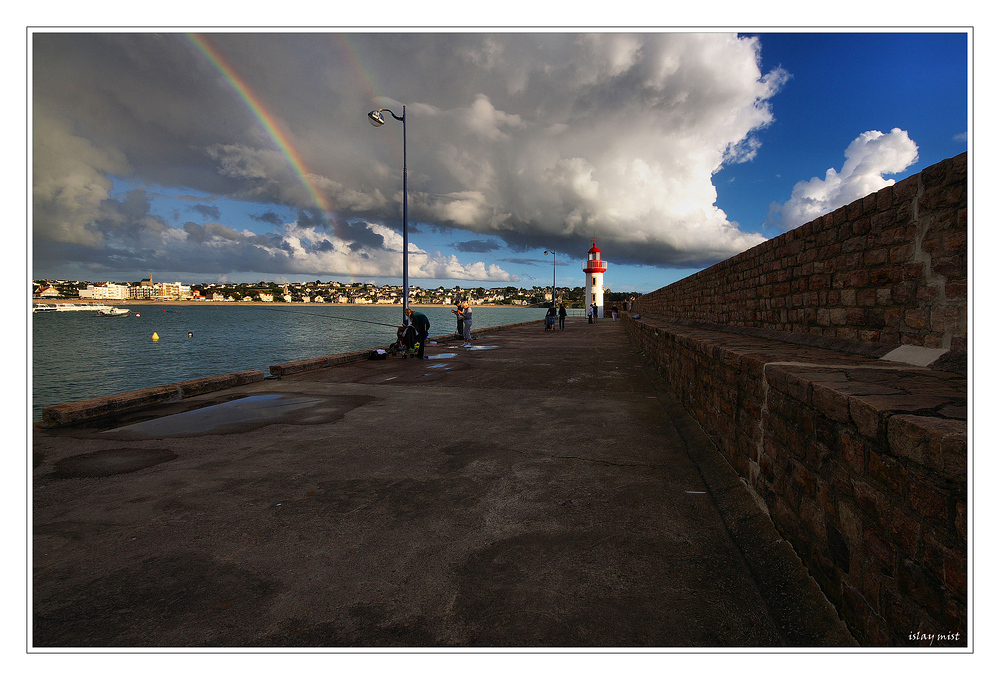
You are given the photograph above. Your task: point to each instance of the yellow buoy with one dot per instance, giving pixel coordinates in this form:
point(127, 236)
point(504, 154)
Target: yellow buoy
point(155, 336)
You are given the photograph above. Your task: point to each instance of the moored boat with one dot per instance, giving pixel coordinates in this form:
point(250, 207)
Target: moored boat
point(113, 311)
point(67, 307)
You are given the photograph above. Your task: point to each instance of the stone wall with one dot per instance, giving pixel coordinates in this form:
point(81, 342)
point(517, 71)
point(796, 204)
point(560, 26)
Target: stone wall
point(860, 462)
point(888, 269)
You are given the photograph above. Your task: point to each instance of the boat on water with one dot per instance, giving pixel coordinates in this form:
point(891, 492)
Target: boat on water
point(113, 311)
point(67, 307)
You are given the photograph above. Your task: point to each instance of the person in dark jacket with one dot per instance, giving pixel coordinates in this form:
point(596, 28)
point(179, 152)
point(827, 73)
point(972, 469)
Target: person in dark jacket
point(562, 317)
point(421, 324)
point(458, 312)
point(550, 318)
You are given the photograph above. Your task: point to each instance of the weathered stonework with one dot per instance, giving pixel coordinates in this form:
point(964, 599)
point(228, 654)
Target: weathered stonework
point(887, 269)
point(860, 462)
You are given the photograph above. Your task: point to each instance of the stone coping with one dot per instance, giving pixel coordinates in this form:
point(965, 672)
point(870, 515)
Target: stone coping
point(919, 409)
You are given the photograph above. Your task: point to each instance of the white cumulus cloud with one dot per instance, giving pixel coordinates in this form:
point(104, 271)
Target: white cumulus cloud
point(869, 157)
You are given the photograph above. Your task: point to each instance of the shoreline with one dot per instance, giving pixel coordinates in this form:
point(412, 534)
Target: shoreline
point(255, 303)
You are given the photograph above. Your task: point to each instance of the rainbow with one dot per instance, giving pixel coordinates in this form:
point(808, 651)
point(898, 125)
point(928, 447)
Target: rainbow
point(268, 120)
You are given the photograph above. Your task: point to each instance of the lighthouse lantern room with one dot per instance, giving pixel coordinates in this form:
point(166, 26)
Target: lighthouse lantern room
point(595, 267)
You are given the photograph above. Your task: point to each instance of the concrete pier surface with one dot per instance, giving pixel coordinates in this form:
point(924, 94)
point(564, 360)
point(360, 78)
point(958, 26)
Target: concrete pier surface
point(539, 490)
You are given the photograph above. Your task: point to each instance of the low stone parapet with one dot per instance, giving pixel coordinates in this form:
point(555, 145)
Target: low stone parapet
point(860, 462)
point(292, 367)
point(115, 404)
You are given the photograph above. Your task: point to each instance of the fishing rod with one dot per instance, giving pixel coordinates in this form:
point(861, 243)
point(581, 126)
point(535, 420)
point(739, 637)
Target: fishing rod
point(329, 316)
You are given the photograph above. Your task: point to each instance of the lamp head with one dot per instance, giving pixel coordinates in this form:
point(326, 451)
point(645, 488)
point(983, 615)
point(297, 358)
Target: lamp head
point(375, 118)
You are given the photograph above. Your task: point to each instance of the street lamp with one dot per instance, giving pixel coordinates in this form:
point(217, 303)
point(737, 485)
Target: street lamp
point(378, 120)
point(553, 254)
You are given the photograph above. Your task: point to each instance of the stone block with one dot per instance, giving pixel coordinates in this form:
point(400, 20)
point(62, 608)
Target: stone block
point(865, 415)
point(872, 503)
point(904, 531)
point(929, 500)
point(916, 584)
point(948, 565)
point(939, 444)
point(888, 471)
point(831, 403)
point(881, 553)
point(852, 450)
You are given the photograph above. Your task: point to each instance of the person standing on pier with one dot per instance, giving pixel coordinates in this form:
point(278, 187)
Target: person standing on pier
point(458, 315)
point(550, 318)
point(466, 318)
point(421, 324)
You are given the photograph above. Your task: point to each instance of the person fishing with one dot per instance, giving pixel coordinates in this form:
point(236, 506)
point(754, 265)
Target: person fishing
point(422, 325)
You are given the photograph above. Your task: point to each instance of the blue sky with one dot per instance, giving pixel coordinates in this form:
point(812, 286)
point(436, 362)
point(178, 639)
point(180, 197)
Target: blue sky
point(673, 150)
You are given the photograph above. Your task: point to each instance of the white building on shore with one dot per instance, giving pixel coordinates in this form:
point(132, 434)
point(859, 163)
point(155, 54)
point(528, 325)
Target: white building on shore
point(104, 291)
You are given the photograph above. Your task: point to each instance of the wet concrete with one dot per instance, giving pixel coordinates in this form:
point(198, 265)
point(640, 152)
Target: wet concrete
point(538, 490)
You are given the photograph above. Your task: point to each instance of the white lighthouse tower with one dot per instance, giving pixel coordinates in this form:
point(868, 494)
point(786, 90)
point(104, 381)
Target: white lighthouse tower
point(595, 268)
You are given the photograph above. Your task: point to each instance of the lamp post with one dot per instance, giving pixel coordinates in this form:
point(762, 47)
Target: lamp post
point(378, 120)
point(553, 254)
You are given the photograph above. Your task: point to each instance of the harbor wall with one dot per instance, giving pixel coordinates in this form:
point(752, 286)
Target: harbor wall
point(890, 268)
point(860, 462)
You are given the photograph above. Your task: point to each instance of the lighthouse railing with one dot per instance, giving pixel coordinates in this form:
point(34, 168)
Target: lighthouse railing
point(594, 264)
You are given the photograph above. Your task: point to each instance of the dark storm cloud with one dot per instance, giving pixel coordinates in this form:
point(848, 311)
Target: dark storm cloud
point(209, 211)
point(269, 217)
point(359, 236)
point(476, 246)
point(534, 140)
point(310, 217)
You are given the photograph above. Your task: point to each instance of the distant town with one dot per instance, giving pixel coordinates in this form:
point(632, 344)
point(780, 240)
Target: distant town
point(332, 292)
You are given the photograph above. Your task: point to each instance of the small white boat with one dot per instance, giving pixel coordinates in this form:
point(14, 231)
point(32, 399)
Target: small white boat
point(113, 311)
point(67, 307)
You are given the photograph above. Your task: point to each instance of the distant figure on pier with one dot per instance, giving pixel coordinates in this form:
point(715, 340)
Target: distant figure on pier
point(562, 316)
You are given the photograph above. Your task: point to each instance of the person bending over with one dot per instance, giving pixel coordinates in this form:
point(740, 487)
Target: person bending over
point(421, 325)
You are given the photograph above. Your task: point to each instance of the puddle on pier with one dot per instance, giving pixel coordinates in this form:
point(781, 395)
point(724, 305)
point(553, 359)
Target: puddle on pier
point(257, 410)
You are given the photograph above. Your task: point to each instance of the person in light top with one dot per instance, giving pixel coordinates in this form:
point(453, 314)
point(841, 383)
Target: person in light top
point(467, 324)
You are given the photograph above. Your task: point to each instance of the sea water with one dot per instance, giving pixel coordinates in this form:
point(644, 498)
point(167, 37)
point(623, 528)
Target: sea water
point(78, 355)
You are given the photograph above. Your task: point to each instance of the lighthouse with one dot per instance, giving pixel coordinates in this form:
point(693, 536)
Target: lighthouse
point(595, 268)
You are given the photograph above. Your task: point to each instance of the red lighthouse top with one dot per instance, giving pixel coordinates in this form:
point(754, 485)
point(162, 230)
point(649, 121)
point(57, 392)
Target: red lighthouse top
point(594, 263)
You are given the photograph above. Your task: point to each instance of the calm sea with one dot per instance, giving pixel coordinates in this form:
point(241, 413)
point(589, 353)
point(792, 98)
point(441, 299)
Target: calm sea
point(77, 355)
